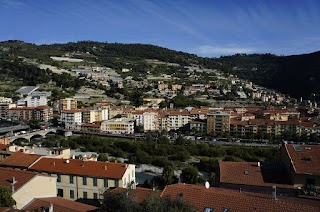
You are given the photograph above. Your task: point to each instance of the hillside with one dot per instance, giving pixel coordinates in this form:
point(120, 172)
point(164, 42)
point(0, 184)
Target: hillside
point(295, 75)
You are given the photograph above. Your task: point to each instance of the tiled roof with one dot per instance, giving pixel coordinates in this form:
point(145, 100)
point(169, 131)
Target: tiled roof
point(6, 209)
point(3, 146)
point(73, 111)
point(221, 199)
point(139, 194)
point(19, 159)
point(82, 168)
point(305, 158)
point(59, 205)
point(249, 173)
point(90, 125)
point(22, 177)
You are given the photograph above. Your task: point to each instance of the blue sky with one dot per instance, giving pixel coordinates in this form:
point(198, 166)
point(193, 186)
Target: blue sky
point(207, 28)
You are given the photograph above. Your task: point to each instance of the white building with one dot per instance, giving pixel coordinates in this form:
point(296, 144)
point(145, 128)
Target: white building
point(177, 119)
point(150, 121)
point(118, 126)
point(72, 119)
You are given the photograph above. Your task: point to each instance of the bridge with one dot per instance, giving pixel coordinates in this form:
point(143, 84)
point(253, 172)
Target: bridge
point(30, 135)
point(4, 130)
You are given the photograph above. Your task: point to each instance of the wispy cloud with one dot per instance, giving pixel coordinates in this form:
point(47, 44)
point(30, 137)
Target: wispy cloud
point(222, 50)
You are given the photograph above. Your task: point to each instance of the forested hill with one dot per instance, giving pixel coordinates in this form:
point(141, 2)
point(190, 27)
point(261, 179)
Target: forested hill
point(297, 75)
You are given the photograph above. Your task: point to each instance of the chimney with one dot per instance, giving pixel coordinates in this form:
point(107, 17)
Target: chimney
point(105, 167)
point(274, 192)
point(258, 164)
point(51, 207)
point(13, 183)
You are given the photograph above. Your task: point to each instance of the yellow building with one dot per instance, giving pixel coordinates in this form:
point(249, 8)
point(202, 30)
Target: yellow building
point(27, 185)
point(67, 104)
point(76, 179)
point(218, 122)
point(118, 126)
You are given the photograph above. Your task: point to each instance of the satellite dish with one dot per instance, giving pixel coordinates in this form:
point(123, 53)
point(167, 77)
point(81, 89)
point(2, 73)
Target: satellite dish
point(207, 185)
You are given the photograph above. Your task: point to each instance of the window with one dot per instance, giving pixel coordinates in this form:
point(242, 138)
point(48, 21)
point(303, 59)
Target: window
point(71, 194)
point(58, 178)
point(226, 210)
point(208, 210)
point(71, 179)
point(60, 192)
point(85, 195)
point(84, 180)
point(95, 195)
point(94, 181)
point(105, 181)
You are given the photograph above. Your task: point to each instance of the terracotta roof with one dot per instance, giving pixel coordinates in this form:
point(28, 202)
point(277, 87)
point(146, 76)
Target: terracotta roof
point(22, 177)
point(139, 194)
point(222, 199)
point(249, 173)
point(73, 111)
point(82, 168)
point(3, 146)
point(90, 125)
point(178, 112)
point(6, 209)
point(19, 159)
point(59, 205)
point(305, 158)
point(43, 107)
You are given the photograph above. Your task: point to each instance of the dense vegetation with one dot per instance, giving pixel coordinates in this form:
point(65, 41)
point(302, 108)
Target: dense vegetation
point(297, 75)
point(127, 201)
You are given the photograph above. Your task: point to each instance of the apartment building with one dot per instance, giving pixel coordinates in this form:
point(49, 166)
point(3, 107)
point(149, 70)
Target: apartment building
point(93, 115)
point(76, 179)
point(150, 121)
point(72, 119)
point(23, 113)
point(118, 126)
point(177, 119)
point(67, 104)
point(43, 113)
point(4, 109)
point(218, 123)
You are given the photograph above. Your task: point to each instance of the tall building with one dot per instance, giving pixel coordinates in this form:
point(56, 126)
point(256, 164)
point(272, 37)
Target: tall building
point(67, 104)
point(218, 123)
point(4, 109)
point(72, 119)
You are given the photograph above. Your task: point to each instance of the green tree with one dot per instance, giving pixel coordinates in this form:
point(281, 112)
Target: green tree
point(190, 175)
point(167, 174)
point(102, 157)
point(6, 199)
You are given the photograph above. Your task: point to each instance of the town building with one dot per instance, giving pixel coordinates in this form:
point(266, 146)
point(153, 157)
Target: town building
point(226, 200)
point(76, 179)
point(26, 185)
point(218, 123)
point(302, 162)
point(67, 104)
point(4, 109)
point(176, 119)
point(118, 126)
point(255, 177)
point(57, 204)
point(71, 119)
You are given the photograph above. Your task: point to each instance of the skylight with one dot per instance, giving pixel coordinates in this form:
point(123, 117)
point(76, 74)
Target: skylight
point(297, 148)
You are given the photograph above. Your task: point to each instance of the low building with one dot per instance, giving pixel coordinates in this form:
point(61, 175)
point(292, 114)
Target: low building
point(76, 179)
point(217, 199)
point(255, 177)
point(303, 164)
point(27, 185)
point(118, 126)
point(57, 204)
